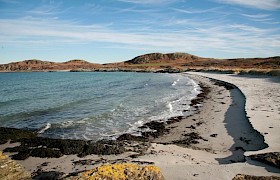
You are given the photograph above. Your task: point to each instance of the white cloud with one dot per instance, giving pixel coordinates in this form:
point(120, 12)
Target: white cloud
point(156, 31)
point(203, 35)
point(257, 16)
point(262, 18)
point(251, 29)
point(198, 11)
point(148, 1)
point(259, 4)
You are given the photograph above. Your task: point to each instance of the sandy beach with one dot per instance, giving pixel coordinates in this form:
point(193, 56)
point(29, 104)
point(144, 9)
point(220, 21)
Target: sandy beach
point(224, 114)
point(140, 89)
point(233, 122)
point(262, 95)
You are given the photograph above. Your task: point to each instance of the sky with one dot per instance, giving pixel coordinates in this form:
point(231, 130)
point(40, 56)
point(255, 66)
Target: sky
point(104, 31)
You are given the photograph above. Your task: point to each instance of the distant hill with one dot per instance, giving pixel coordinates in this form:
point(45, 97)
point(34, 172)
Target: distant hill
point(155, 62)
point(185, 61)
point(159, 57)
point(239, 63)
point(39, 65)
point(77, 61)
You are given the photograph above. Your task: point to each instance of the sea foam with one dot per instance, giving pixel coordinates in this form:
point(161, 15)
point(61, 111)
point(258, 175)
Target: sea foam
point(48, 126)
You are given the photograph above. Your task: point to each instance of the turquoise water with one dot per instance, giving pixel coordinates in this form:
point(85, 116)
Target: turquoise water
point(91, 105)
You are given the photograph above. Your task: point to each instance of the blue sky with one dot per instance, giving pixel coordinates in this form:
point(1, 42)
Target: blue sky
point(105, 31)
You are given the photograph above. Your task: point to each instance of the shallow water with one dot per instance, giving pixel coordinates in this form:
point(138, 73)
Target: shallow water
point(91, 105)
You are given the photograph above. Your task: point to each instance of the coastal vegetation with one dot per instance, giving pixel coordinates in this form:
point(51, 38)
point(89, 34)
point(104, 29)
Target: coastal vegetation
point(156, 62)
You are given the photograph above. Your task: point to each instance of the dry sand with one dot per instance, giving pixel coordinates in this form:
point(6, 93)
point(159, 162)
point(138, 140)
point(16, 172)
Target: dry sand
point(262, 103)
point(224, 114)
point(225, 133)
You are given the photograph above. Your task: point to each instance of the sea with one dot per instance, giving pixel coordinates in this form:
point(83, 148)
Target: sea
point(92, 105)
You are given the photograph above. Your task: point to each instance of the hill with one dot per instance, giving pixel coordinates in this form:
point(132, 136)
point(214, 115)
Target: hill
point(155, 62)
point(159, 57)
point(39, 65)
point(176, 62)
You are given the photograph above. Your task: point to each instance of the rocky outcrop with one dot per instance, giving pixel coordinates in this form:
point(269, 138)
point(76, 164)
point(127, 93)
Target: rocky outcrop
point(251, 177)
point(14, 135)
point(121, 172)
point(11, 170)
point(272, 158)
point(32, 145)
point(55, 148)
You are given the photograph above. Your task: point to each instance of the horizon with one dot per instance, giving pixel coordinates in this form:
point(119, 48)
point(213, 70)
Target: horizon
point(111, 31)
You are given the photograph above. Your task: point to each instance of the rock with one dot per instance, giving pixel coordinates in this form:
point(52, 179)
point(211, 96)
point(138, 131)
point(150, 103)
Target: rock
point(190, 138)
point(54, 148)
point(213, 135)
point(131, 137)
point(272, 158)
point(89, 162)
point(45, 147)
point(31, 145)
point(11, 170)
point(103, 147)
point(157, 127)
point(201, 96)
point(226, 85)
point(139, 147)
point(14, 134)
point(170, 70)
point(49, 175)
point(174, 119)
point(251, 177)
point(66, 146)
point(120, 171)
point(191, 127)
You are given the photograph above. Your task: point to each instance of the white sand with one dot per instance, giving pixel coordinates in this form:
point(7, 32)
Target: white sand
point(262, 103)
point(183, 163)
point(230, 124)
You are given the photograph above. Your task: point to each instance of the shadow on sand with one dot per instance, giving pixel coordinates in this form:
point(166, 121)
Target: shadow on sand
point(238, 126)
point(266, 166)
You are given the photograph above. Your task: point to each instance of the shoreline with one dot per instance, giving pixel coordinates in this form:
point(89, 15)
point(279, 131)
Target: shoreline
point(202, 143)
point(262, 103)
point(98, 113)
point(255, 72)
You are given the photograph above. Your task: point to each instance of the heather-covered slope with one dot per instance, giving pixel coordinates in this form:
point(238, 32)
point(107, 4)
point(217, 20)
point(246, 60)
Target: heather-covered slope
point(38, 65)
point(159, 57)
point(178, 62)
point(188, 60)
point(156, 62)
